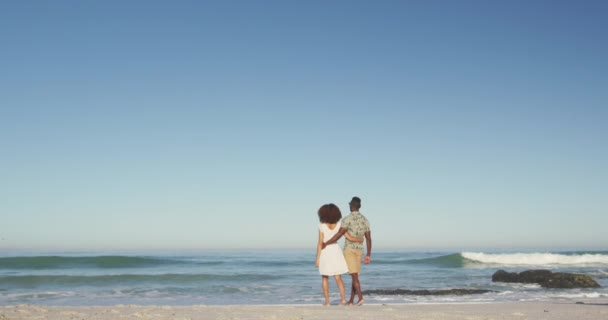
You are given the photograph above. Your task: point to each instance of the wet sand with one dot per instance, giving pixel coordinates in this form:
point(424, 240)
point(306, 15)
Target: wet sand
point(592, 310)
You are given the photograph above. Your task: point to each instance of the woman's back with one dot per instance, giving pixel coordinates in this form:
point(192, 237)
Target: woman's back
point(329, 230)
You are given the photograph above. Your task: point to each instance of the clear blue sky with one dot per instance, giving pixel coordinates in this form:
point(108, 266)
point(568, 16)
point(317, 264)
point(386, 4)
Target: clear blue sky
point(194, 124)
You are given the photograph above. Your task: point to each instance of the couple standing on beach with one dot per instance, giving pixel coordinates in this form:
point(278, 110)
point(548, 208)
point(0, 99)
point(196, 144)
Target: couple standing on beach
point(330, 259)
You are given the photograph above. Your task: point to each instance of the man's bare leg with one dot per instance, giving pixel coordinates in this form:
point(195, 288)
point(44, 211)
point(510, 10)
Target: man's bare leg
point(355, 288)
point(352, 290)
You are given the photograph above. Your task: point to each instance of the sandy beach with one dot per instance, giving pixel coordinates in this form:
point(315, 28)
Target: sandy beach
point(592, 310)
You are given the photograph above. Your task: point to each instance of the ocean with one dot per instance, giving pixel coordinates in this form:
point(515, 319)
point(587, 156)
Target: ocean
point(271, 277)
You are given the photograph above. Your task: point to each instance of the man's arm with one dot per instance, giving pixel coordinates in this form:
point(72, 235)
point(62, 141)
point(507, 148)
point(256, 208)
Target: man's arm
point(368, 242)
point(352, 239)
point(335, 238)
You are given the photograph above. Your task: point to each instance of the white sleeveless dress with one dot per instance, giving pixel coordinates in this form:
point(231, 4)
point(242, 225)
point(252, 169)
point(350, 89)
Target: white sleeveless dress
point(331, 261)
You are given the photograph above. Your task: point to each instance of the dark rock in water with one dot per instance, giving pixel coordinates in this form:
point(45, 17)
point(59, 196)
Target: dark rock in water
point(547, 279)
point(447, 292)
point(530, 276)
point(503, 276)
point(570, 280)
point(535, 276)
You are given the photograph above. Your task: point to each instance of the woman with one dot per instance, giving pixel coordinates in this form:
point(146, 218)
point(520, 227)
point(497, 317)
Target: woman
point(330, 260)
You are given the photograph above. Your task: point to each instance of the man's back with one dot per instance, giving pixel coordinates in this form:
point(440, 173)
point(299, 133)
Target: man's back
point(356, 225)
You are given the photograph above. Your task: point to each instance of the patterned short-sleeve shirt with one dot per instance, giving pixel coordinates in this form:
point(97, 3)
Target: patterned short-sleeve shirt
point(356, 225)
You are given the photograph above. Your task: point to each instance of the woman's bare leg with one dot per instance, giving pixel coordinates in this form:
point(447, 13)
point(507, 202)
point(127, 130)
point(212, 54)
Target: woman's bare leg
point(340, 284)
point(325, 284)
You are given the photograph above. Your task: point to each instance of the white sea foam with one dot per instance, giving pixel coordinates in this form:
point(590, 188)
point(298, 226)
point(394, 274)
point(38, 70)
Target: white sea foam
point(519, 286)
point(538, 259)
point(38, 295)
point(581, 295)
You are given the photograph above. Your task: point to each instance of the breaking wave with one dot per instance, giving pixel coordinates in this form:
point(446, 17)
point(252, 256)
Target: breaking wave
point(538, 259)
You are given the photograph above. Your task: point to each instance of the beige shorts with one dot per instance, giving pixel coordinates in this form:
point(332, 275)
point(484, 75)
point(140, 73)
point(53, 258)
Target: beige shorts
point(353, 260)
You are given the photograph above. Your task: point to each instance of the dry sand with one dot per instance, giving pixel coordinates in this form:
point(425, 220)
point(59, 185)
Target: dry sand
point(592, 310)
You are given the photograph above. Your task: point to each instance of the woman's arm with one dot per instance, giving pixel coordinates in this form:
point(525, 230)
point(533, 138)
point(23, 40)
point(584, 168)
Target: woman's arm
point(352, 239)
point(319, 248)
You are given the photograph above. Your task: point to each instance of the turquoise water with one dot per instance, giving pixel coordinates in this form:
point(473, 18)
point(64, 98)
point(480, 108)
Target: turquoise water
point(277, 277)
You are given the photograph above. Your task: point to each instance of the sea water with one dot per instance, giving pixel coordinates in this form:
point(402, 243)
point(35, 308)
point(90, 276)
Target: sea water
point(262, 277)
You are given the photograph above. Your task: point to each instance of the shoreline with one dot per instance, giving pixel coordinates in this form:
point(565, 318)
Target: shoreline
point(558, 309)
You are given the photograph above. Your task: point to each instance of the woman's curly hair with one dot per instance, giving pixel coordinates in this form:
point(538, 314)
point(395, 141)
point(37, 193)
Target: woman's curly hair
point(329, 213)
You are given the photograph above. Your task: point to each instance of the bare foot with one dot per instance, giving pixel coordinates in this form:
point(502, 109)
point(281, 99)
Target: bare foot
point(360, 303)
point(327, 304)
point(342, 303)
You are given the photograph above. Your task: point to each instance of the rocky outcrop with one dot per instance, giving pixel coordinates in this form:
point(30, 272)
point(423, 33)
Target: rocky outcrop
point(547, 279)
point(446, 292)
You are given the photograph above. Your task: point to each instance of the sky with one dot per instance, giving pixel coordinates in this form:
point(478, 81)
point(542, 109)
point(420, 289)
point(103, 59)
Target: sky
point(227, 124)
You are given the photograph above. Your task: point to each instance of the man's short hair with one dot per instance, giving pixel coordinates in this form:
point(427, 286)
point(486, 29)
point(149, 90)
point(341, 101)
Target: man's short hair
point(356, 201)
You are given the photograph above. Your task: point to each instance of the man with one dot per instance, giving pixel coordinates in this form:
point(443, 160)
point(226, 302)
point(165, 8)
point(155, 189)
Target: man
point(357, 226)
